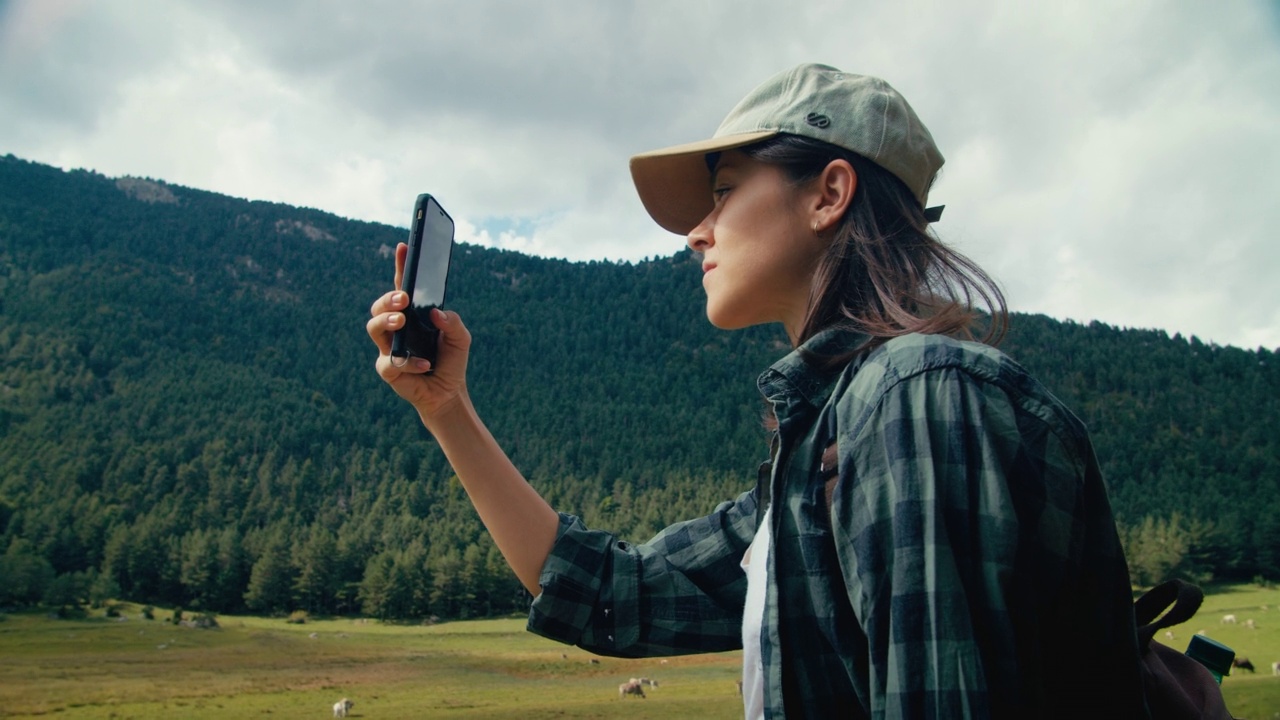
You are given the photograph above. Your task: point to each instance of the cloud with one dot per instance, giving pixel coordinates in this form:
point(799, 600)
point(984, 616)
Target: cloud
point(1104, 161)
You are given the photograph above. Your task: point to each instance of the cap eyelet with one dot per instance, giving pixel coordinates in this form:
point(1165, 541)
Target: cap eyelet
point(818, 120)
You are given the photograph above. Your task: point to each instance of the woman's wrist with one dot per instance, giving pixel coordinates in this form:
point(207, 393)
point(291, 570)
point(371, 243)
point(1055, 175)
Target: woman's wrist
point(452, 413)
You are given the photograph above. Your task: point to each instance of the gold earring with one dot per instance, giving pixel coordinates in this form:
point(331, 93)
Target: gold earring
point(815, 227)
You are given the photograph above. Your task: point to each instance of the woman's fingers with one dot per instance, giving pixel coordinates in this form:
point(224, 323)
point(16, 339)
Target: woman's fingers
point(402, 251)
point(387, 316)
point(393, 301)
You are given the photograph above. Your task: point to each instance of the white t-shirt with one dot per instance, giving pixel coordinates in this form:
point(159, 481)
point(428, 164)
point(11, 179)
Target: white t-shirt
point(755, 563)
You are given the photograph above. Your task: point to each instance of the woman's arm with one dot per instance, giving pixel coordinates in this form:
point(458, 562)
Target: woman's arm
point(522, 524)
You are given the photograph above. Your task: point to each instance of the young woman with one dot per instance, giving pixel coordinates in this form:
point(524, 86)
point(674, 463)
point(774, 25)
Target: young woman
point(933, 536)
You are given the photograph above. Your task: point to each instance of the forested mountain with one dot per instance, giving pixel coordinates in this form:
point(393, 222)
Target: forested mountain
point(189, 412)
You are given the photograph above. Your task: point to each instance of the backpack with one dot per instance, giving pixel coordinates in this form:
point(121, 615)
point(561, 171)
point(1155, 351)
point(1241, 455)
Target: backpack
point(1177, 685)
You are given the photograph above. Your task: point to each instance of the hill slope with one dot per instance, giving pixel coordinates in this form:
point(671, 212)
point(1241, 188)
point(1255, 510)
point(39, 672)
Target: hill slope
point(189, 413)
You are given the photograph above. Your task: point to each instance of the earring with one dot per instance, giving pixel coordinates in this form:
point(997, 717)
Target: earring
point(815, 227)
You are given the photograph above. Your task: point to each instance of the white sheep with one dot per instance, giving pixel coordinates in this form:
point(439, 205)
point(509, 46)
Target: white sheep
point(342, 707)
point(631, 687)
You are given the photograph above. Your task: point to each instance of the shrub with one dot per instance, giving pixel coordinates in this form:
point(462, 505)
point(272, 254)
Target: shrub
point(206, 621)
point(298, 617)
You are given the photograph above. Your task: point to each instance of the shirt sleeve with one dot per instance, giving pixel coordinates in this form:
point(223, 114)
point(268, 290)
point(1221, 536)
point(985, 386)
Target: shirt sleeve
point(681, 592)
point(928, 533)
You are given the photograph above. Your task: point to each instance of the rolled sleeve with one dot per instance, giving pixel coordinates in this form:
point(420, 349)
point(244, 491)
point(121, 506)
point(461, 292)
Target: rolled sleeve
point(681, 592)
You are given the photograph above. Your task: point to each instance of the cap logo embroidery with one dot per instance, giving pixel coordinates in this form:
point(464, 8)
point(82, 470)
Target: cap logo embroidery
point(818, 120)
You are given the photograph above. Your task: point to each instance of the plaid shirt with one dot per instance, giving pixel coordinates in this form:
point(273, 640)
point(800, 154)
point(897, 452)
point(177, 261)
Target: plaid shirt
point(968, 564)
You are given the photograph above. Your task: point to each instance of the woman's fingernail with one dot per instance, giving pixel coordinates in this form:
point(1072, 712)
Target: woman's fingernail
point(421, 364)
point(397, 298)
point(394, 319)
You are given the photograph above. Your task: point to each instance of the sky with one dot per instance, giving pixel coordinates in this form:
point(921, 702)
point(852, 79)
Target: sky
point(1104, 161)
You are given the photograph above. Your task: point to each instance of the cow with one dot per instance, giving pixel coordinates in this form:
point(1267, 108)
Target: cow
point(342, 707)
point(650, 683)
point(1228, 619)
point(1243, 663)
point(1249, 624)
point(1275, 668)
point(631, 687)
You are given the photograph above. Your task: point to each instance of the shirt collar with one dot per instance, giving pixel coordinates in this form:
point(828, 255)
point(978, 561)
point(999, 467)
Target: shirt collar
point(801, 375)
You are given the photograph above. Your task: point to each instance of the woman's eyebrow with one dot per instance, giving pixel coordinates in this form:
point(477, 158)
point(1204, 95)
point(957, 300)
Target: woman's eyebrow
point(722, 165)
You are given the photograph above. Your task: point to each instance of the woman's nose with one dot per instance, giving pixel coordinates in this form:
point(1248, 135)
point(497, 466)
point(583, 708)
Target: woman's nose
point(700, 236)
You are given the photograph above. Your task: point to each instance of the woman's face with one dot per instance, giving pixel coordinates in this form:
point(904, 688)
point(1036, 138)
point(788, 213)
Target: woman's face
point(758, 247)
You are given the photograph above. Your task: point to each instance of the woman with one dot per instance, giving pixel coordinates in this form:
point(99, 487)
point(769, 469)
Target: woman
point(933, 536)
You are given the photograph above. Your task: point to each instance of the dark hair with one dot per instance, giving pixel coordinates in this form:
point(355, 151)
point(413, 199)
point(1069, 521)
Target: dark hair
point(885, 274)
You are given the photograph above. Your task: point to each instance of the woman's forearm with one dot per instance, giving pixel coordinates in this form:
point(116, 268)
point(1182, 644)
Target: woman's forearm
point(521, 523)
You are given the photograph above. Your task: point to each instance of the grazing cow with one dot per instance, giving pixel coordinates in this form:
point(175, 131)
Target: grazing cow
point(342, 707)
point(631, 687)
point(1275, 668)
point(1249, 624)
point(1229, 619)
point(593, 661)
point(1243, 663)
point(650, 683)
point(1168, 634)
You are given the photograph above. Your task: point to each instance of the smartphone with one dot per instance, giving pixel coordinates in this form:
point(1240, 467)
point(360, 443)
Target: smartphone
point(426, 273)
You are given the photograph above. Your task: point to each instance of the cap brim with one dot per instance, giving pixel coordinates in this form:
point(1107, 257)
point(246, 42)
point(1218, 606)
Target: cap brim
point(675, 184)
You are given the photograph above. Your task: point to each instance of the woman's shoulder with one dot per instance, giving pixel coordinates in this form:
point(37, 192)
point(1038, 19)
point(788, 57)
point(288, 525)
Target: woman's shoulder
point(908, 355)
point(938, 362)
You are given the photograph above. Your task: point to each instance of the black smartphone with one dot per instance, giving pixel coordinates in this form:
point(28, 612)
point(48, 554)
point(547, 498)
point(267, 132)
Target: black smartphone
point(426, 273)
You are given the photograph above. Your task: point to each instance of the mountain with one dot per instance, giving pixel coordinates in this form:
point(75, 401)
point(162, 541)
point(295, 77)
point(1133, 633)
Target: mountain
point(189, 412)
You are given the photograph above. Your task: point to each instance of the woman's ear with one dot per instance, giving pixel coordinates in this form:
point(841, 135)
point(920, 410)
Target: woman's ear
point(833, 193)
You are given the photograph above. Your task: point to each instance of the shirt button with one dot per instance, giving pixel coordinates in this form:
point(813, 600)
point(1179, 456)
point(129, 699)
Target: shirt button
point(610, 638)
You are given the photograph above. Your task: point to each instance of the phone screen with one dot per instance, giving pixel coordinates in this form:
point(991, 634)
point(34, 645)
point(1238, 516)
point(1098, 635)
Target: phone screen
point(432, 256)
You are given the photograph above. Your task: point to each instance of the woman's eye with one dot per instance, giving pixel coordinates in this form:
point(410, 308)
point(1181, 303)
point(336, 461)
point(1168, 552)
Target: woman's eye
point(720, 192)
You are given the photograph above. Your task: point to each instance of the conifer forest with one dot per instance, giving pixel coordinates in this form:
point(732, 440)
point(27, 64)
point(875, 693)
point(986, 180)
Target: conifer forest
point(190, 416)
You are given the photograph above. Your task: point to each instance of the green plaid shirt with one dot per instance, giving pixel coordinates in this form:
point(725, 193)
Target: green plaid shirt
point(968, 564)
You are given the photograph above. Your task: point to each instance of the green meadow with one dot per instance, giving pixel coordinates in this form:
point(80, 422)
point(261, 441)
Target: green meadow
point(99, 667)
point(260, 667)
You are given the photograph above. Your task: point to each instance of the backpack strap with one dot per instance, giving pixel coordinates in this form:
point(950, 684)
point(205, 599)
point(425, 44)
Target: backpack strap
point(1180, 599)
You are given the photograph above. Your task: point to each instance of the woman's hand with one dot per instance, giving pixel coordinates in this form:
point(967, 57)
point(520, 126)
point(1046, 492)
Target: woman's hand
point(431, 395)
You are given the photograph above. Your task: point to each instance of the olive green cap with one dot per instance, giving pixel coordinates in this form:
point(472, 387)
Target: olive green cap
point(856, 112)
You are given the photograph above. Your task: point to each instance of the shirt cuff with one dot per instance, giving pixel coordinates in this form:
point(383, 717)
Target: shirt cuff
point(582, 567)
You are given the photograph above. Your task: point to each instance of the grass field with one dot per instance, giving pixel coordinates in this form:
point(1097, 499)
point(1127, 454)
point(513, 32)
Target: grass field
point(257, 667)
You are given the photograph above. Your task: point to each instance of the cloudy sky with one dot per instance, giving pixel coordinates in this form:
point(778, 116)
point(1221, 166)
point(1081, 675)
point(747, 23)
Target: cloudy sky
point(1105, 160)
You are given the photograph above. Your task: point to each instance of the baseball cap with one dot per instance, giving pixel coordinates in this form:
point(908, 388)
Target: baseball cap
point(856, 112)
